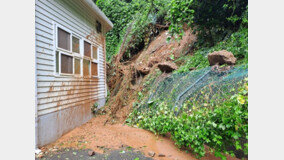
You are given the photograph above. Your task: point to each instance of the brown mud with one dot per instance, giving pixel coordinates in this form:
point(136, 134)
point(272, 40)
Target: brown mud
point(98, 137)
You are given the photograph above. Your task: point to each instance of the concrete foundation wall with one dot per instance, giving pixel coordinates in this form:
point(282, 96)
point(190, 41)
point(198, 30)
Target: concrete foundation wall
point(53, 125)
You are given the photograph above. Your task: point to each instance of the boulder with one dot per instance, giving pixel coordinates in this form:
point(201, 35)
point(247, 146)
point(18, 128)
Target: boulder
point(151, 153)
point(91, 153)
point(161, 155)
point(221, 57)
point(167, 67)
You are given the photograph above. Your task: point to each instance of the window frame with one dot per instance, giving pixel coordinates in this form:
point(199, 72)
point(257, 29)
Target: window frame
point(80, 59)
point(95, 60)
point(59, 63)
point(96, 46)
point(80, 45)
point(56, 39)
point(74, 55)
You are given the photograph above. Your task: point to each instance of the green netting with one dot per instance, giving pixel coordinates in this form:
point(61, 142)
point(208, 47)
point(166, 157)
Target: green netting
point(200, 87)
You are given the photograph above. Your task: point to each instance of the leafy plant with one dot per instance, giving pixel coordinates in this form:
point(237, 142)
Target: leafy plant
point(139, 13)
point(94, 107)
point(179, 14)
point(219, 126)
point(211, 20)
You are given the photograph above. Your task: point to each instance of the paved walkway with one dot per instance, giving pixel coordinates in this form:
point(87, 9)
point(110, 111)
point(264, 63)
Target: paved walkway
point(72, 154)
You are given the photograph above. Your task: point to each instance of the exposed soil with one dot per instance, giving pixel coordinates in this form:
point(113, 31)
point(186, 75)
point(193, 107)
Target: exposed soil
point(125, 79)
point(96, 136)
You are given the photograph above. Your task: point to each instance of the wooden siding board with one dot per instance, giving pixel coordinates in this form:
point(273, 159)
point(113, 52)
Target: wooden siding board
point(44, 56)
point(77, 25)
point(64, 19)
point(51, 110)
point(47, 94)
point(57, 104)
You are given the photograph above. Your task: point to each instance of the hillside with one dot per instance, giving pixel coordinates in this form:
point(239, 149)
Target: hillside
point(127, 79)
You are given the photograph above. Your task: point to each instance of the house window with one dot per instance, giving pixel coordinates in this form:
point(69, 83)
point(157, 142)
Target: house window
point(77, 66)
point(87, 49)
point(66, 64)
point(94, 69)
point(86, 67)
point(63, 40)
point(75, 45)
point(74, 56)
point(95, 52)
point(99, 27)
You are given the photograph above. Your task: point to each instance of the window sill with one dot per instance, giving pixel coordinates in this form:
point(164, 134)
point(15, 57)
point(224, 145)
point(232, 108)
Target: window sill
point(63, 50)
point(62, 75)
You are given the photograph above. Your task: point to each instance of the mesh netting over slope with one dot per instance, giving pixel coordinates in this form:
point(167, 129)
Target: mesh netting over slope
point(201, 86)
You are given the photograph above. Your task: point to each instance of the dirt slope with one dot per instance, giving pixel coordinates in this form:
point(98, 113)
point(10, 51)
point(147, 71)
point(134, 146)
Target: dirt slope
point(125, 79)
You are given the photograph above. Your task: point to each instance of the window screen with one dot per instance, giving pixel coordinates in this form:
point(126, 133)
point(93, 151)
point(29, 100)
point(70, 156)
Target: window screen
point(95, 52)
point(86, 67)
point(75, 45)
point(94, 69)
point(77, 66)
point(87, 49)
point(66, 64)
point(63, 39)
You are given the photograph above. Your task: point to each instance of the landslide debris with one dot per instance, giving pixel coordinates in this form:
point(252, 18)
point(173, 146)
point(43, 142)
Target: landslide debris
point(125, 78)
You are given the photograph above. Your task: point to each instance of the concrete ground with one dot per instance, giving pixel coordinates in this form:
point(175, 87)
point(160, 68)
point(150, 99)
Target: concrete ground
point(74, 154)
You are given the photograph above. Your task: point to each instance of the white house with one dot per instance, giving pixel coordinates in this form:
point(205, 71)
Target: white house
point(70, 65)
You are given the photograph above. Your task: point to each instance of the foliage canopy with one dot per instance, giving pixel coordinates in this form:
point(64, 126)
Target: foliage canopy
point(212, 20)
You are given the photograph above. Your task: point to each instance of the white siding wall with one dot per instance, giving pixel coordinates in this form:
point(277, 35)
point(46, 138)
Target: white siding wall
point(57, 92)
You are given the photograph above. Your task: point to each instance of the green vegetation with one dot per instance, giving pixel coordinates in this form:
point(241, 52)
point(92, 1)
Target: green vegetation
point(120, 13)
point(237, 43)
point(131, 20)
point(94, 107)
point(213, 22)
point(219, 126)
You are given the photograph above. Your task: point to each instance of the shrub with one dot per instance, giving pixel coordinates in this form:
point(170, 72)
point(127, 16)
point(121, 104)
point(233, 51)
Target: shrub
point(212, 20)
point(217, 126)
point(94, 107)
